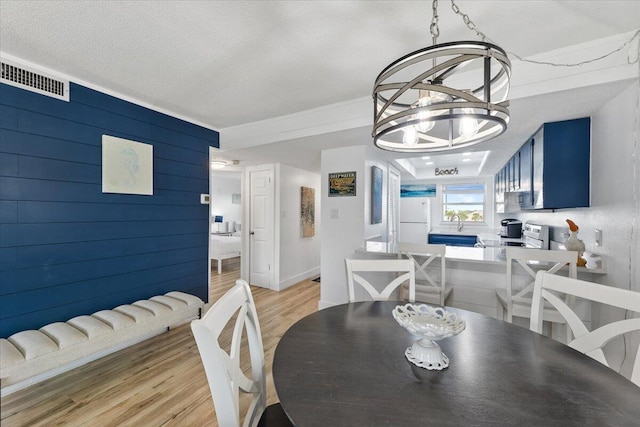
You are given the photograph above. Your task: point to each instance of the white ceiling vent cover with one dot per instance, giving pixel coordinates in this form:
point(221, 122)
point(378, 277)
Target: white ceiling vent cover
point(27, 78)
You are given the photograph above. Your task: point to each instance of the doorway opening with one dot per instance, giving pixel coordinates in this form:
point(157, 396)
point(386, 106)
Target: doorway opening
point(225, 229)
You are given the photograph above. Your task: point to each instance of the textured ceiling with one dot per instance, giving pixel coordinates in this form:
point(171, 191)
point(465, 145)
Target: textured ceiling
point(228, 63)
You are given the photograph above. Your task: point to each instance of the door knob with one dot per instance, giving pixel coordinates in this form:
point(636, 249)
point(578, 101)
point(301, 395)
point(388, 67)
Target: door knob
point(252, 233)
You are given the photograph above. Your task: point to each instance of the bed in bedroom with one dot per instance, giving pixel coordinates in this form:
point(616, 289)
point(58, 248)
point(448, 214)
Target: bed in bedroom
point(224, 247)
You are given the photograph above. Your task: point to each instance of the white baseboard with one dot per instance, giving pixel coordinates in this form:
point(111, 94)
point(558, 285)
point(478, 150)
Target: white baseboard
point(284, 284)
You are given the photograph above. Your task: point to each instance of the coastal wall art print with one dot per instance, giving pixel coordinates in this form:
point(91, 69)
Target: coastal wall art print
point(342, 184)
point(307, 211)
point(417, 190)
point(127, 166)
point(376, 195)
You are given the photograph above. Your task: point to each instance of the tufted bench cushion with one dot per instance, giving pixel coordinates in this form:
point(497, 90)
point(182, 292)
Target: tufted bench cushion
point(29, 353)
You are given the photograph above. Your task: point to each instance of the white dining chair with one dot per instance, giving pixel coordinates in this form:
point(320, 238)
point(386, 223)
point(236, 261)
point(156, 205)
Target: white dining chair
point(224, 374)
point(401, 269)
point(553, 290)
point(517, 302)
point(431, 284)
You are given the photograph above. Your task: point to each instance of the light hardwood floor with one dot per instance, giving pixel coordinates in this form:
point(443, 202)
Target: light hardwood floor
point(159, 382)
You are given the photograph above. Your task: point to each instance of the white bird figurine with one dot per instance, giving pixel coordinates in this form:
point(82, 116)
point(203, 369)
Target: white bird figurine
point(575, 244)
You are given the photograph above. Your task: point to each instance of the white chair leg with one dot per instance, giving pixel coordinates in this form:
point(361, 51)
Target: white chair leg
point(219, 266)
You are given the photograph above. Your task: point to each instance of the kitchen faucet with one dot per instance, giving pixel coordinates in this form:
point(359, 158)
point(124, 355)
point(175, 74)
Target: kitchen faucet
point(459, 221)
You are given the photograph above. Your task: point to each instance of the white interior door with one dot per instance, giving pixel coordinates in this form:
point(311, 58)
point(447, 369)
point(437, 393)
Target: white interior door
point(261, 231)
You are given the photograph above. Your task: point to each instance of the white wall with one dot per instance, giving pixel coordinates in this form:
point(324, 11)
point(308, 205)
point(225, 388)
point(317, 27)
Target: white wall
point(343, 222)
point(299, 256)
point(223, 185)
point(614, 207)
point(347, 220)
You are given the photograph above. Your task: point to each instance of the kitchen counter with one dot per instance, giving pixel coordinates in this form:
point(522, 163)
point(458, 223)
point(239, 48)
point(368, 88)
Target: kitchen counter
point(490, 255)
point(476, 273)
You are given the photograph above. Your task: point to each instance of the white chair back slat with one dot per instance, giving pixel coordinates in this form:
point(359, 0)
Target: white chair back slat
point(571, 318)
point(371, 290)
point(430, 252)
point(555, 268)
point(550, 288)
point(617, 297)
point(421, 269)
point(524, 292)
point(236, 338)
point(395, 283)
point(593, 341)
point(224, 374)
point(235, 299)
point(523, 264)
point(405, 274)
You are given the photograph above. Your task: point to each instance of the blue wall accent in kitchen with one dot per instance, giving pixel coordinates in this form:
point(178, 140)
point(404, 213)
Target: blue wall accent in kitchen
point(67, 249)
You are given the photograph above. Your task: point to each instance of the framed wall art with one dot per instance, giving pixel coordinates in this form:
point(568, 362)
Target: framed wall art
point(127, 166)
point(342, 184)
point(417, 190)
point(307, 211)
point(376, 195)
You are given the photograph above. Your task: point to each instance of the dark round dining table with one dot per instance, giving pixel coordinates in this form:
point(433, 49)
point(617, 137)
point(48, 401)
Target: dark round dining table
point(345, 366)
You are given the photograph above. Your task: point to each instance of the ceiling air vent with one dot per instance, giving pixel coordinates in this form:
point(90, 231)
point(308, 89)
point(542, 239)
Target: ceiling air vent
point(35, 81)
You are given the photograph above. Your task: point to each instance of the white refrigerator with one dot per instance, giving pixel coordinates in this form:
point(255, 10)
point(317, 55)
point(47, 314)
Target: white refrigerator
point(415, 219)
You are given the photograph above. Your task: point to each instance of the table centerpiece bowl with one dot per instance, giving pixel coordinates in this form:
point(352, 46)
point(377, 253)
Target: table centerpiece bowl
point(429, 324)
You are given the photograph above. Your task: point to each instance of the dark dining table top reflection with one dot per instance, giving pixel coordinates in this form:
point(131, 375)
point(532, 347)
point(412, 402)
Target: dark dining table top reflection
point(345, 366)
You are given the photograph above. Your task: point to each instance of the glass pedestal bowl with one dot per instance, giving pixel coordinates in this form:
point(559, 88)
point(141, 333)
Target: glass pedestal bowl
point(429, 324)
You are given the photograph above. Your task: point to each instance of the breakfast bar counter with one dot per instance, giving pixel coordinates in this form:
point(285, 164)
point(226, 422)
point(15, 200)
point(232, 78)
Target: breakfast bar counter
point(493, 255)
point(475, 273)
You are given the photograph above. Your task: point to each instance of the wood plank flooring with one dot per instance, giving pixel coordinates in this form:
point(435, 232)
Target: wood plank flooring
point(159, 382)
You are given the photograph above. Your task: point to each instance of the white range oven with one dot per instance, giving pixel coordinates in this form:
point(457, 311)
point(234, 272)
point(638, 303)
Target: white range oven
point(536, 236)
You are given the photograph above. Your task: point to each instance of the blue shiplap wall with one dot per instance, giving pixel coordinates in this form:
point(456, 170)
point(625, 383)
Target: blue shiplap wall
point(66, 248)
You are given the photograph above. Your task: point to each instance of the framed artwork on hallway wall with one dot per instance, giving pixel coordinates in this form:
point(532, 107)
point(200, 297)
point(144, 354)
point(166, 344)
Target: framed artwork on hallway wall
point(342, 184)
point(307, 211)
point(376, 195)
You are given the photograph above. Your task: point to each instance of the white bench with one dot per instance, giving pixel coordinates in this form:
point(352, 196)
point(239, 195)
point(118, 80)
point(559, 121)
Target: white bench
point(31, 356)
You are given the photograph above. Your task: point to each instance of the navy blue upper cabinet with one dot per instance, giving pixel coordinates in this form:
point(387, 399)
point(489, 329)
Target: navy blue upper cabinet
point(526, 174)
point(561, 169)
point(550, 170)
point(513, 182)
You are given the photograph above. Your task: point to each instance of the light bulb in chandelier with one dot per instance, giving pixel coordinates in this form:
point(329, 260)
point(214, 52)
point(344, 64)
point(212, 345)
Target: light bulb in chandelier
point(468, 125)
point(427, 98)
point(410, 136)
point(425, 124)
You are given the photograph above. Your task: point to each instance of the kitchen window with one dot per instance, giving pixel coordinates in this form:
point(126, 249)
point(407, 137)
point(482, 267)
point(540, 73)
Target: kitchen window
point(465, 200)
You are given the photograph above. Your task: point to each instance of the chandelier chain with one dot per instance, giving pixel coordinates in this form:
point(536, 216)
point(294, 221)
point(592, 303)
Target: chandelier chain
point(588, 61)
point(435, 30)
point(472, 26)
point(468, 22)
